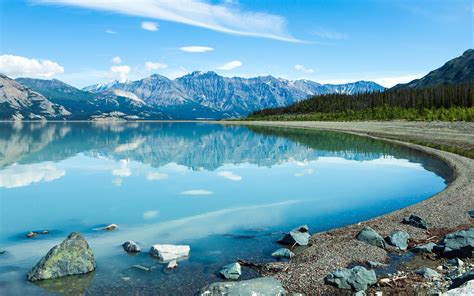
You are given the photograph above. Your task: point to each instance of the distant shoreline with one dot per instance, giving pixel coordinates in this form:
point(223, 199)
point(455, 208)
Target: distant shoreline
point(338, 248)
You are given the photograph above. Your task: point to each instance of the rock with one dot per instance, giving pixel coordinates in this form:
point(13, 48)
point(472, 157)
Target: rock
point(375, 264)
point(2, 252)
point(426, 248)
point(455, 262)
point(131, 247)
point(110, 227)
point(439, 268)
point(172, 264)
point(141, 267)
point(357, 278)
point(428, 273)
point(399, 239)
point(465, 289)
point(457, 244)
point(299, 236)
point(33, 234)
point(371, 237)
point(467, 276)
point(416, 221)
point(360, 293)
point(282, 253)
point(471, 213)
point(231, 271)
point(258, 286)
point(72, 256)
point(169, 252)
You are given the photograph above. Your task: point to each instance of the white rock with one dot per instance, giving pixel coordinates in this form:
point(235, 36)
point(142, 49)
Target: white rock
point(172, 264)
point(467, 289)
point(169, 252)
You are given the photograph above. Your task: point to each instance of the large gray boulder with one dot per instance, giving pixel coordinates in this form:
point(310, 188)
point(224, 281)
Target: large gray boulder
point(399, 239)
point(428, 273)
point(357, 278)
point(231, 271)
point(465, 277)
point(299, 236)
point(416, 221)
point(73, 256)
point(465, 289)
point(169, 252)
point(258, 286)
point(283, 253)
point(371, 237)
point(457, 244)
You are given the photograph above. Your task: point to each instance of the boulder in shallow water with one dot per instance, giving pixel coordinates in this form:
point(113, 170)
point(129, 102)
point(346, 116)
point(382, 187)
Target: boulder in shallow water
point(471, 213)
point(426, 248)
point(299, 236)
point(416, 221)
point(457, 244)
point(357, 278)
point(131, 247)
point(231, 271)
point(371, 237)
point(172, 264)
point(375, 264)
point(258, 286)
point(73, 256)
point(169, 252)
point(428, 273)
point(399, 239)
point(465, 289)
point(283, 253)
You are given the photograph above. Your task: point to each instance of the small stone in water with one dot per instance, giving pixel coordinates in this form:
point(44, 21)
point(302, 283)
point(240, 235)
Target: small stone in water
point(141, 267)
point(110, 227)
point(131, 246)
point(172, 264)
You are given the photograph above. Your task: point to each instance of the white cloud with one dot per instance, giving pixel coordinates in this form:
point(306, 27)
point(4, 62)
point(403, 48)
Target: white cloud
point(122, 172)
point(197, 192)
point(156, 176)
point(117, 181)
point(230, 65)
point(224, 18)
point(195, 48)
point(110, 31)
point(326, 34)
point(304, 173)
point(129, 146)
point(150, 26)
point(121, 71)
point(23, 175)
point(304, 69)
point(229, 175)
point(16, 66)
point(116, 60)
point(150, 215)
point(150, 66)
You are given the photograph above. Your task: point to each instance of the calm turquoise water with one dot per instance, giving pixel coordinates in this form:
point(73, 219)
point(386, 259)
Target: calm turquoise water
point(228, 192)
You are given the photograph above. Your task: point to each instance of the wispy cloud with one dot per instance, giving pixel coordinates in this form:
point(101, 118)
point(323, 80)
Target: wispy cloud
point(224, 18)
point(229, 175)
point(304, 69)
point(150, 214)
point(304, 173)
point(150, 66)
point(15, 66)
point(156, 176)
point(197, 192)
point(110, 31)
point(230, 65)
point(149, 26)
point(326, 34)
point(116, 60)
point(196, 48)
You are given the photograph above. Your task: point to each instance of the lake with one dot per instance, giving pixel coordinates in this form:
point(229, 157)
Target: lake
point(227, 191)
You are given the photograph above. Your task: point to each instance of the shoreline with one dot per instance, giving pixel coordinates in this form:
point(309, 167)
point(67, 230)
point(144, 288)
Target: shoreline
point(446, 211)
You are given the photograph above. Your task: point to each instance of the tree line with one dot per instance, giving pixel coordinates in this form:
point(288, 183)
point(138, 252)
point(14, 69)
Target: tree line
point(445, 102)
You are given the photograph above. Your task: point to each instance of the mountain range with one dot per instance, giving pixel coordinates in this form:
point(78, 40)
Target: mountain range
point(196, 95)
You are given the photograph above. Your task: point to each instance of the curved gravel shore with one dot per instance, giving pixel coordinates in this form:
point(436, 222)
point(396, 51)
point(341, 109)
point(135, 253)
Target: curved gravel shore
point(338, 248)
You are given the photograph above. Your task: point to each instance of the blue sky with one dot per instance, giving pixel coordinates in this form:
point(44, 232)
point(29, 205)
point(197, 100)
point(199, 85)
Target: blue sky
point(87, 41)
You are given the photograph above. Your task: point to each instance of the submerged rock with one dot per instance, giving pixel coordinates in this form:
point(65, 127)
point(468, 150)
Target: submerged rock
point(73, 256)
point(258, 286)
point(299, 236)
point(399, 239)
point(371, 237)
point(357, 278)
point(426, 248)
point(231, 271)
point(471, 213)
point(110, 227)
point(455, 262)
point(131, 247)
point(416, 221)
point(457, 244)
point(2, 252)
point(375, 264)
point(33, 234)
point(465, 289)
point(428, 273)
point(169, 252)
point(141, 267)
point(283, 253)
